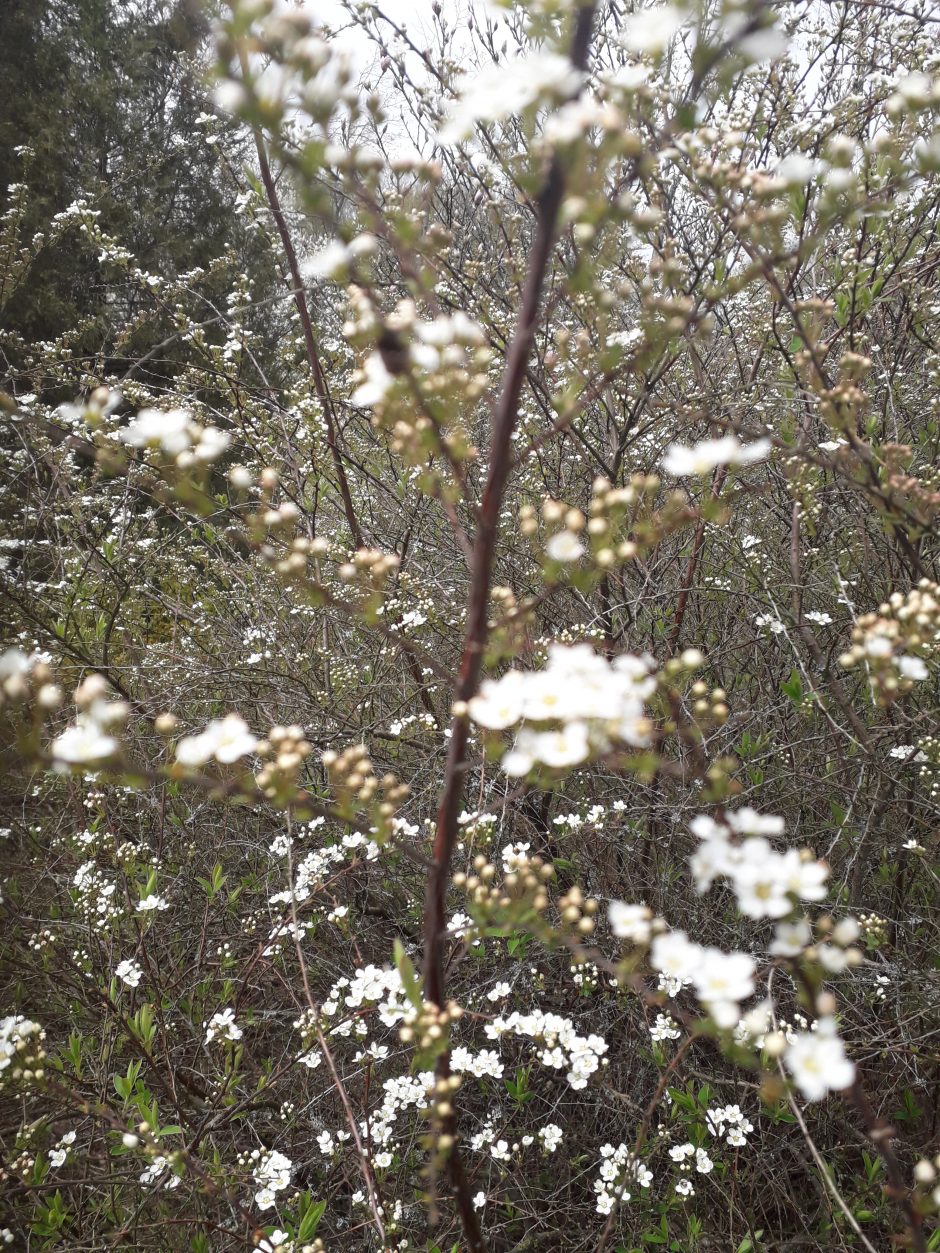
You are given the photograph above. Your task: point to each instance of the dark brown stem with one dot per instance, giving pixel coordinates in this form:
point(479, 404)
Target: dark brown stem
point(475, 635)
point(881, 1134)
point(310, 342)
point(689, 576)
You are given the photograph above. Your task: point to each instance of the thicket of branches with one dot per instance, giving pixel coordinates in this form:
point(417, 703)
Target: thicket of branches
point(468, 563)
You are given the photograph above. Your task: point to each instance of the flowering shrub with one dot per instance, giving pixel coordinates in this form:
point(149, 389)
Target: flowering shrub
point(470, 720)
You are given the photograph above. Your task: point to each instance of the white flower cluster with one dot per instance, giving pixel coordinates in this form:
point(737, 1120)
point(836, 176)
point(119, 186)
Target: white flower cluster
point(649, 31)
point(577, 705)
point(225, 740)
point(708, 454)
point(721, 980)
point(59, 1154)
point(817, 1061)
point(175, 432)
point(883, 641)
point(370, 985)
point(158, 1169)
point(447, 342)
point(20, 1045)
point(506, 88)
point(277, 1242)
point(313, 869)
point(728, 1121)
point(401, 1093)
point(335, 258)
point(96, 900)
point(129, 972)
point(222, 1026)
point(618, 1169)
point(834, 955)
point(664, 1028)
point(560, 1044)
point(311, 872)
point(764, 881)
point(484, 1064)
point(630, 922)
point(272, 1172)
point(152, 902)
point(90, 741)
point(515, 857)
point(685, 1155)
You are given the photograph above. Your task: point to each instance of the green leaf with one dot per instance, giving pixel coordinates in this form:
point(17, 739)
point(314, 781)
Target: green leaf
point(310, 1221)
point(793, 687)
point(409, 979)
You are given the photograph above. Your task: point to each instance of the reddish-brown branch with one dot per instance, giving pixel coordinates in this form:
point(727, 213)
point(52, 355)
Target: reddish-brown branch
point(881, 1134)
point(310, 342)
point(475, 635)
point(689, 576)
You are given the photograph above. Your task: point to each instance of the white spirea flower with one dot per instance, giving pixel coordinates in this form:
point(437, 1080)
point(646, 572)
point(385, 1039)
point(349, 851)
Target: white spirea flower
point(722, 980)
point(374, 384)
point(705, 456)
point(225, 739)
point(332, 261)
point(559, 1044)
point(630, 922)
point(674, 955)
point(272, 1172)
point(483, 1064)
point(501, 90)
point(160, 1166)
point(564, 546)
point(665, 1028)
point(14, 663)
point(817, 1061)
point(765, 881)
point(568, 746)
point(651, 30)
point(912, 668)
point(579, 704)
point(498, 704)
point(152, 902)
point(222, 1026)
point(129, 972)
point(167, 429)
point(276, 1242)
point(19, 1038)
point(618, 1168)
point(84, 744)
point(791, 938)
point(795, 170)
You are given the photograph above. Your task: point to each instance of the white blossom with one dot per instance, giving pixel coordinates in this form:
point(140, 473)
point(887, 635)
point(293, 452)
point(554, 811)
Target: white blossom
point(630, 922)
point(705, 456)
point(84, 744)
point(817, 1061)
point(147, 904)
point(222, 1026)
point(225, 739)
point(651, 29)
point(501, 90)
point(564, 546)
point(129, 972)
